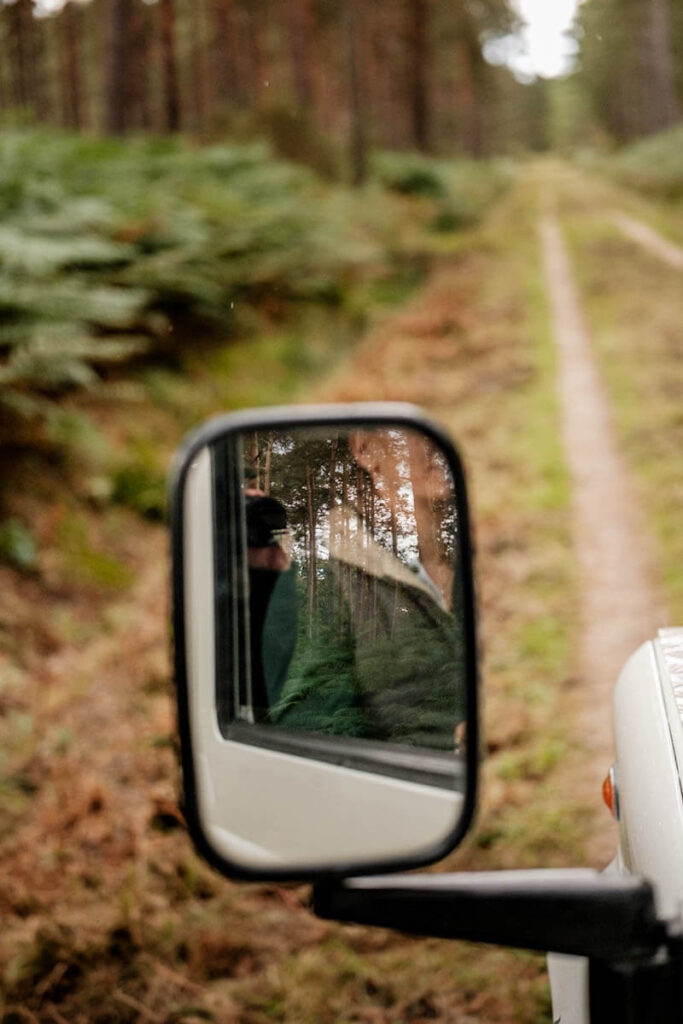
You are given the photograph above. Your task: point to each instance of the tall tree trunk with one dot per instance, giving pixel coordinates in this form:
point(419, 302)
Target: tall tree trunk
point(199, 70)
point(70, 63)
point(21, 46)
point(379, 73)
point(43, 94)
point(118, 18)
point(5, 61)
point(241, 55)
point(225, 87)
point(663, 107)
point(169, 68)
point(92, 56)
point(301, 30)
point(468, 100)
point(259, 75)
point(357, 133)
point(138, 58)
point(418, 72)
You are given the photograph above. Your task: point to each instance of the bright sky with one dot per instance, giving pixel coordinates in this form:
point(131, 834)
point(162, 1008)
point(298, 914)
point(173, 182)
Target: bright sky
point(543, 48)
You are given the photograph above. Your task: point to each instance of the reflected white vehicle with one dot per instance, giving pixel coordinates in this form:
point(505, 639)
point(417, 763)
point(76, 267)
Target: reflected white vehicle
point(326, 670)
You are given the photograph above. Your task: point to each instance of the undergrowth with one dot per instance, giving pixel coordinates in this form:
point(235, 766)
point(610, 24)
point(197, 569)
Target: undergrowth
point(111, 251)
point(644, 178)
point(652, 165)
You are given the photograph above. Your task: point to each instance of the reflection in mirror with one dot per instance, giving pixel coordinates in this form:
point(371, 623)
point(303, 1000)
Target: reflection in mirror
point(338, 590)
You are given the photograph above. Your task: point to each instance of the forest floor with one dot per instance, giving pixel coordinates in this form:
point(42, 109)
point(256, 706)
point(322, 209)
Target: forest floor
point(107, 914)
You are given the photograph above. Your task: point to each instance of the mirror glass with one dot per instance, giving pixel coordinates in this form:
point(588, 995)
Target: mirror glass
point(340, 661)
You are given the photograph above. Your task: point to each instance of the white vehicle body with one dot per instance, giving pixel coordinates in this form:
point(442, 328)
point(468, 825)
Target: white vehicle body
point(648, 734)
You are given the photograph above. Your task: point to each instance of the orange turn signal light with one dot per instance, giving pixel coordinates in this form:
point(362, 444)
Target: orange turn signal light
point(610, 792)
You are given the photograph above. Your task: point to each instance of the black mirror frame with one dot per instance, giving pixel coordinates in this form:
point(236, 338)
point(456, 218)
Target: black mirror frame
point(376, 414)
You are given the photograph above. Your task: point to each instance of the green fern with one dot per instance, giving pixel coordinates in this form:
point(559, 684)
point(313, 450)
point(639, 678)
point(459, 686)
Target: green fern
point(57, 356)
point(104, 242)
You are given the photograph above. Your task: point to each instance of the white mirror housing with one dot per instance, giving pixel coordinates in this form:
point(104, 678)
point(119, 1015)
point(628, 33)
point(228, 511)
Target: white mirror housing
point(325, 655)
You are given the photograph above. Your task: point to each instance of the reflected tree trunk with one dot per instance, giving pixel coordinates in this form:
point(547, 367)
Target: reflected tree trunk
point(334, 602)
point(312, 580)
point(373, 581)
point(342, 584)
point(267, 464)
point(423, 485)
point(360, 610)
point(253, 463)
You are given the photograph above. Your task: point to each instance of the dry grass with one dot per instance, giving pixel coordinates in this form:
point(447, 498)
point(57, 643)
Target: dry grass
point(109, 917)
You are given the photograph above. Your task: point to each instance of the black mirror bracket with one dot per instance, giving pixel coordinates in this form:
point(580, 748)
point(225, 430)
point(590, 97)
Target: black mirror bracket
point(639, 988)
point(635, 958)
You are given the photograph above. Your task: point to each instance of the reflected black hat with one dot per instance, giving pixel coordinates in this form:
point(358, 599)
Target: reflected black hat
point(265, 516)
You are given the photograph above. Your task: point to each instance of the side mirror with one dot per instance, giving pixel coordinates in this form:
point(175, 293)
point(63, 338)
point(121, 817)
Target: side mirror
point(324, 641)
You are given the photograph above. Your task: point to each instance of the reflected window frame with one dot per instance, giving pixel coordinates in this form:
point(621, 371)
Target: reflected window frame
point(234, 705)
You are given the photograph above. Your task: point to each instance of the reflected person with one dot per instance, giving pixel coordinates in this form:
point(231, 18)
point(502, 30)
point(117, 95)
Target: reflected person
point(382, 656)
point(272, 599)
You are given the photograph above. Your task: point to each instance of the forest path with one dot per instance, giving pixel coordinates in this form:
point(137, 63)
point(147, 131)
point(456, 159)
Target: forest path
point(649, 239)
point(620, 604)
point(95, 869)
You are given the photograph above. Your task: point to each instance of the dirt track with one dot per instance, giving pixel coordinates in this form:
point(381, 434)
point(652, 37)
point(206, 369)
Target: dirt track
point(620, 605)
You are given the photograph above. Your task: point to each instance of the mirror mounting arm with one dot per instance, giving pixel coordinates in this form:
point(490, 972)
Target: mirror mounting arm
point(576, 911)
point(635, 958)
